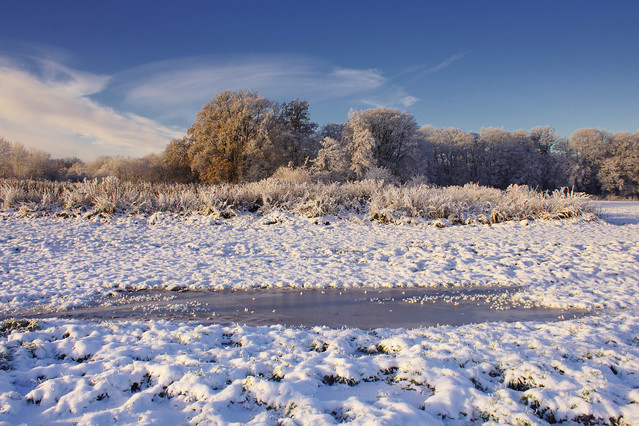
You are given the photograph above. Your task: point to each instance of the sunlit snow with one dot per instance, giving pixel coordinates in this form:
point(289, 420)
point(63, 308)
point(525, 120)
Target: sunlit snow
point(582, 370)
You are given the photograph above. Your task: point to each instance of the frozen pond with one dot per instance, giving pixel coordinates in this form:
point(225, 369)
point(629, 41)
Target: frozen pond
point(353, 308)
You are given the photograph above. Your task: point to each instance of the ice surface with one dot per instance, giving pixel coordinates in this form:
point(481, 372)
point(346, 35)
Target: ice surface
point(332, 307)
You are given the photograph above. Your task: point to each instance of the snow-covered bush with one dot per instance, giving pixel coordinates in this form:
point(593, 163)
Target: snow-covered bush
point(374, 199)
point(11, 195)
point(292, 174)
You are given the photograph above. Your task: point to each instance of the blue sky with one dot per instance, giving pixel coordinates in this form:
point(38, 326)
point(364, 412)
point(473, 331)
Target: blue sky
point(81, 78)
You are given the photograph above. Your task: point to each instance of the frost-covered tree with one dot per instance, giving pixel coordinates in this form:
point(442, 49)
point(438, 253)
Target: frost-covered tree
point(556, 164)
point(150, 168)
point(177, 161)
point(333, 157)
point(241, 136)
point(6, 152)
point(232, 140)
point(590, 148)
point(19, 161)
point(495, 157)
point(512, 158)
point(456, 156)
point(590, 145)
point(297, 136)
point(331, 130)
point(544, 137)
point(333, 160)
point(381, 138)
point(619, 172)
point(361, 145)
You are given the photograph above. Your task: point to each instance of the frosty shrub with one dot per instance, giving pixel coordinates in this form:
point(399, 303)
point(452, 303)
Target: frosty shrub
point(291, 191)
point(11, 196)
point(380, 173)
point(292, 174)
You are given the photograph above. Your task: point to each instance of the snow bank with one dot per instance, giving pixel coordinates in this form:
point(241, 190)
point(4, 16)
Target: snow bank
point(581, 370)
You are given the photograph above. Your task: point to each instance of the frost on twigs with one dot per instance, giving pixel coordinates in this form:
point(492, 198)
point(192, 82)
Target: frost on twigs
point(373, 199)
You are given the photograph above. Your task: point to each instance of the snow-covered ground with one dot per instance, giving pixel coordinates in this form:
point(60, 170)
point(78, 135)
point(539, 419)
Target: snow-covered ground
point(584, 370)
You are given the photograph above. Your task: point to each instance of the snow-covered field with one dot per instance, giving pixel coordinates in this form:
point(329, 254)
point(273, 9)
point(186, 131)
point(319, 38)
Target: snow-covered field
point(584, 371)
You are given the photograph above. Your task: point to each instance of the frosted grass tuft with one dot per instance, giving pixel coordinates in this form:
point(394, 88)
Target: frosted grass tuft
point(374, 199)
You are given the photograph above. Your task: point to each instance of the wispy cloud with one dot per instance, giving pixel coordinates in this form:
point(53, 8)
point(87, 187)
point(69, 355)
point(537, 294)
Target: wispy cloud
point(180, 87)
point(67, 112)
point(47, 105)
point(443, 64)
point(391, 97)
point(394, 95)
point(419, 72)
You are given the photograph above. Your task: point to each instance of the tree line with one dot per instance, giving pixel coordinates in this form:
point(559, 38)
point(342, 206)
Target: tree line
point(242, 137)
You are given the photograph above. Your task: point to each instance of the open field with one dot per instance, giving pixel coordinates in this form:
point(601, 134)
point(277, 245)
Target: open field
point(584, 370)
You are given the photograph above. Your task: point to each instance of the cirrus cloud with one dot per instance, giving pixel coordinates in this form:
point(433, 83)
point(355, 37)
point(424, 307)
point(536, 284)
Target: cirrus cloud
point(67, 112)
point(48, 106)
point(177, 89)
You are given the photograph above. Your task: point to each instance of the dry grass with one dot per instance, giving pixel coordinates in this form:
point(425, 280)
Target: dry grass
point(372, 199)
